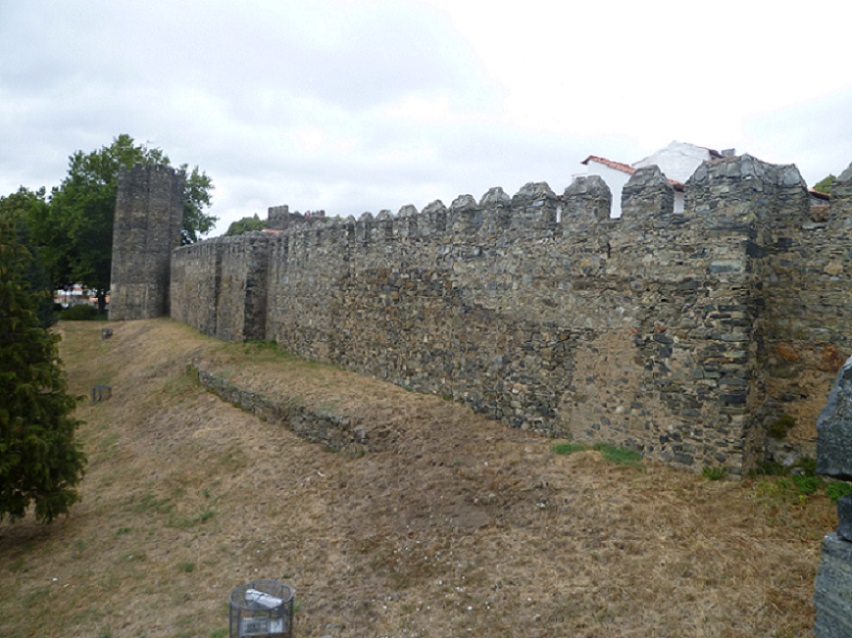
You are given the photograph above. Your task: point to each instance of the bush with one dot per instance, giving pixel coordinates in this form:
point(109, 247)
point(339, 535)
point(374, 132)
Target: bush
point(778, 428)
point(82, 312)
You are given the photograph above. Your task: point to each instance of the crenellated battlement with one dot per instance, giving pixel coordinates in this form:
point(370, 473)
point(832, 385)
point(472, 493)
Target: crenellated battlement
point(739, 189)
point(683, 335)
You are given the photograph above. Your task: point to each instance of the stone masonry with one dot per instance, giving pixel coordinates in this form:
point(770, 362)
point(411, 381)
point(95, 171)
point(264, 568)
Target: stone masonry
point(148, 223)
point(680, 335)
point(833, 587)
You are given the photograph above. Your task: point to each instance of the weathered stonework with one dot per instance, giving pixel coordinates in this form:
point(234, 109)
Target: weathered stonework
point(680, 335)
point(148, 223)
point(834, 428)
point(833, 588)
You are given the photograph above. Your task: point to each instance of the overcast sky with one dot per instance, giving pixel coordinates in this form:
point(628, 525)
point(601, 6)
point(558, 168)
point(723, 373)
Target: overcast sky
point(362, 105)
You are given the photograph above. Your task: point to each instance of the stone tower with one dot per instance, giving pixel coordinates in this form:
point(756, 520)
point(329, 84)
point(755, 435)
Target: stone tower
point(148, 222)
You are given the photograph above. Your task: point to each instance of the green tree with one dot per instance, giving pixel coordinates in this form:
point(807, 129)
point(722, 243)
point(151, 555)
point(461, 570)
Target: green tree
point(245, 225)
point(40, 460)
point(824, 185)
point(196, 198)
point(22, 211)
point(78, 226)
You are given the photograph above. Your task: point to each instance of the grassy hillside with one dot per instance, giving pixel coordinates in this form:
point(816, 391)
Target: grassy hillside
point(458, 527)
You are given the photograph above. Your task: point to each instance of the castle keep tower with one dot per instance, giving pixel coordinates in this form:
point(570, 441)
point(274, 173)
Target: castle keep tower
point(148, 222)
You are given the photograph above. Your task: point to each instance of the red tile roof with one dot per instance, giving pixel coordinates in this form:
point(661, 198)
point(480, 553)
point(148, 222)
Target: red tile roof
point(619, 166)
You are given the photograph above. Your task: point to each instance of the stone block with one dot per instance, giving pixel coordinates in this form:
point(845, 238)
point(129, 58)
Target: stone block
point(833, 589)
point(844, 513)
point(834, 428)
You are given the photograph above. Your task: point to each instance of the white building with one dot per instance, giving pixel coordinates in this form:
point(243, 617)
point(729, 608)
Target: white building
point(677, 161)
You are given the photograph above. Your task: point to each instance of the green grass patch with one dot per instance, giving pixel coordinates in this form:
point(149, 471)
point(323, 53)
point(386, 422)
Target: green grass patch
point(148, 502)
point(714, 473)
point(261, 346)
point(569, 448)
point(806, 485)
point(799, 481)
point(186, 568)
point(836, 491)
point(800, 488)
point(612, 453)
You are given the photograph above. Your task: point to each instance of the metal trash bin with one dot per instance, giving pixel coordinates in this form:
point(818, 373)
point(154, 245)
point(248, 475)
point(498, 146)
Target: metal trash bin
point(261, 608)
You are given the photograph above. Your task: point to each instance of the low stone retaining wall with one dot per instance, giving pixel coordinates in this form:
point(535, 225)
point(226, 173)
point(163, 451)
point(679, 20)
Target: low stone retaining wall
point(335, 432)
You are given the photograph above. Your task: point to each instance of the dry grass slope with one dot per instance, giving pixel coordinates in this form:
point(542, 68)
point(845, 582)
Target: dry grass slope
point(461, 527)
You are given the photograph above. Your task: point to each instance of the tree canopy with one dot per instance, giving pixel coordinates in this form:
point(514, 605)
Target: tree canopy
point(824, 185)
point(40, 461)
point(245, 225)
point(73, 229)
point(20, 211)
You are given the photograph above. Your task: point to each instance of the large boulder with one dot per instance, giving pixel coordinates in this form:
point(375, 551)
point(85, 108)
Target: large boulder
point(834, 428)
point(833, 589)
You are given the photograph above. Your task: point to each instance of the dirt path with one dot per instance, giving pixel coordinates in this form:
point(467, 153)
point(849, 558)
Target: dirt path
point(459, 526)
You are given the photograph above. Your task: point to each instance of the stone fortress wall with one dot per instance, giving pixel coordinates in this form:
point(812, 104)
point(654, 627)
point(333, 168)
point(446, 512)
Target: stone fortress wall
point(680, 335)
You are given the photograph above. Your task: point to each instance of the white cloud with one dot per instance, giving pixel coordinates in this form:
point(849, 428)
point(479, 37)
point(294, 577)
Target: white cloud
point(353, 106)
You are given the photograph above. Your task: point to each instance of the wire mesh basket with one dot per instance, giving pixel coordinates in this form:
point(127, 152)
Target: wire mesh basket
point(261, 608)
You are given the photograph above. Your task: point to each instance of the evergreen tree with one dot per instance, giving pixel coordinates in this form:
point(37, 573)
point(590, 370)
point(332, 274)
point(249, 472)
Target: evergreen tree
point(24, 210)
point(40, 460)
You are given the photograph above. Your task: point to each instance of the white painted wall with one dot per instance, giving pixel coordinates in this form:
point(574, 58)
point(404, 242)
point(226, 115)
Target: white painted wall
point(677, 161)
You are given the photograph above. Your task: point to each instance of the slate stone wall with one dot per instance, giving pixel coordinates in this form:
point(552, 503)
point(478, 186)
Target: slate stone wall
point(241, 309)
point(196, 274)
point(833, 587)
point(805, 298)
point(148, 223)
point(655, 331)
